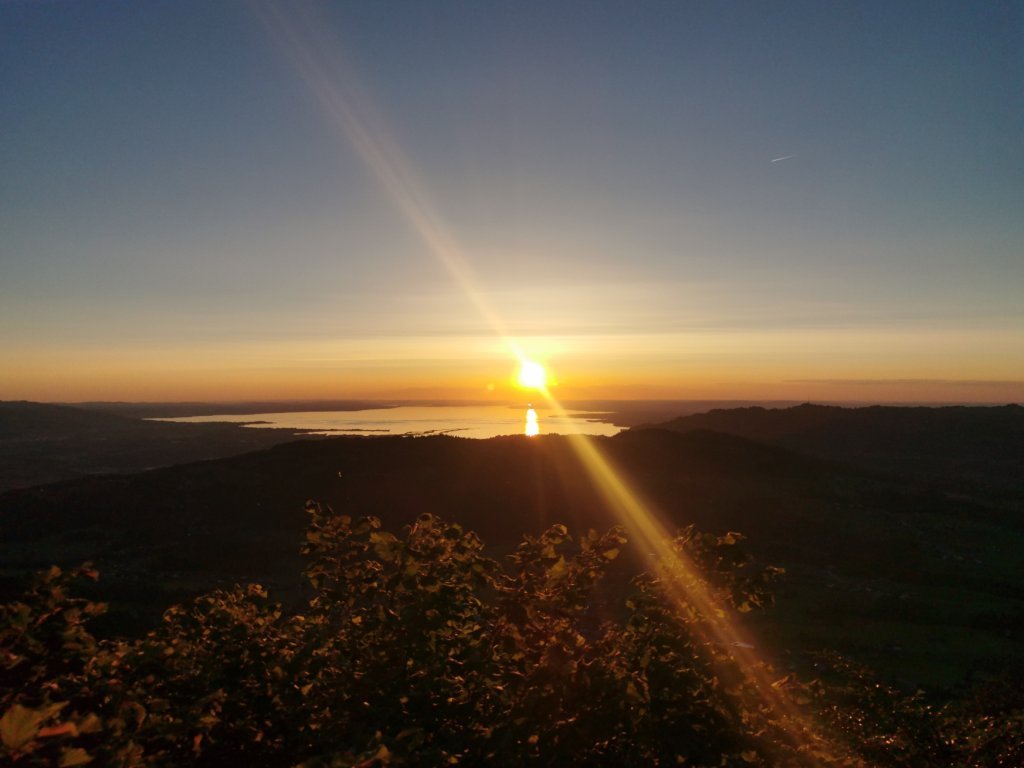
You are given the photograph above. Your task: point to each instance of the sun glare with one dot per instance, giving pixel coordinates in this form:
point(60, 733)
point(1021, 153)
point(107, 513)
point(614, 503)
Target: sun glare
point(532, 375)
point(532, 425)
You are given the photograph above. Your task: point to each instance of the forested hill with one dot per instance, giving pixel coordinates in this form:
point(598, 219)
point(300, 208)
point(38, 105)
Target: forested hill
point(502, 488)
point(972, 448)
point(44, 443)
point(898, 560)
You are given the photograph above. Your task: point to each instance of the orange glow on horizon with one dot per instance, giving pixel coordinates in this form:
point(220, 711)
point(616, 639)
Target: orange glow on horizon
point(464, 368)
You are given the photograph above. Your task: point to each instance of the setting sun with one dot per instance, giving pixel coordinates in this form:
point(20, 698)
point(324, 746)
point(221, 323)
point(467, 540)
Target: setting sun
point(532, 375)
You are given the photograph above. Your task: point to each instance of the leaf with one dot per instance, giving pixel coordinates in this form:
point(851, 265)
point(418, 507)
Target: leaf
point(632, 692)
point(558, 570)
point(385, 544)
point(63, 729)
point(19, 725)
point(76, 756)
point(611, 554)
point(731, 538)
point(91, 723)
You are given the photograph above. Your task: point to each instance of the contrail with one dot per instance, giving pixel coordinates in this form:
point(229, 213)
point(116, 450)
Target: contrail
point(784, 157)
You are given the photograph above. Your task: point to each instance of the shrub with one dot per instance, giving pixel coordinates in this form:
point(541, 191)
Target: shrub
point(421, 650)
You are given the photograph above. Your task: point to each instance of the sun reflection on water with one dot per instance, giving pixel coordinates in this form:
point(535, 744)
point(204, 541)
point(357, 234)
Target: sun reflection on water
point(532, 425)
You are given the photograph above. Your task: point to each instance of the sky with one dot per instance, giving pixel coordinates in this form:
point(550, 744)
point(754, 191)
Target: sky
point(717, 200)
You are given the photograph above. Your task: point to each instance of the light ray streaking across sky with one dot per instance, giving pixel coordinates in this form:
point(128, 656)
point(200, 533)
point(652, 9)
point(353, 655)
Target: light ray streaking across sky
point(326, 74)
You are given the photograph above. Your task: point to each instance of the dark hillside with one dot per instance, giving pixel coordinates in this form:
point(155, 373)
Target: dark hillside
point(968, 449)
point(501, 487)
point(900, 575)
point(42, 443)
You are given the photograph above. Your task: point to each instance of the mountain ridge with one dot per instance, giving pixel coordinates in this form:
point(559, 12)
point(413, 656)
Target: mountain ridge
point(959, 448)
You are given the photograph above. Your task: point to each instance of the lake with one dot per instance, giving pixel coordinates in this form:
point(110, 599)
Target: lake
point(476, 421)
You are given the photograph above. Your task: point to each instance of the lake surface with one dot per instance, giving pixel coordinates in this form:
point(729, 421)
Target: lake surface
point(476, 421)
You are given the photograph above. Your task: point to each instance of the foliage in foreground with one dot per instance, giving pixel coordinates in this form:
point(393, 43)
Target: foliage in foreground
point(421, 650)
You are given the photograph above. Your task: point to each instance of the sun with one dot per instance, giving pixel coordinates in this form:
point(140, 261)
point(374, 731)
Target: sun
point(532, 375)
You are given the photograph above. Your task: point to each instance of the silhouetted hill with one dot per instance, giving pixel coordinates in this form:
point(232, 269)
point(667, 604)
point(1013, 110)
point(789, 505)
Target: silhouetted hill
point(242, 516)
point(633, 413)
point(896, 575)
point(28, 420)
point(42, 443)
point(501, 487)
point(957, 447)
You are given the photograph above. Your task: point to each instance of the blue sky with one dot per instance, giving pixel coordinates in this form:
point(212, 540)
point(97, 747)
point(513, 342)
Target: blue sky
point(180, 218)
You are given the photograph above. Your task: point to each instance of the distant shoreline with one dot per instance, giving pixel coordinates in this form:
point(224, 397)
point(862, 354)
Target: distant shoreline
point(623, 412)
point(233, 408)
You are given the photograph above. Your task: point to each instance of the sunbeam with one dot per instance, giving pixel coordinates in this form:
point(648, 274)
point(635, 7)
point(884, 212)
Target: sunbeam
point(326, 74)
point(683, 587)
point(323, 71)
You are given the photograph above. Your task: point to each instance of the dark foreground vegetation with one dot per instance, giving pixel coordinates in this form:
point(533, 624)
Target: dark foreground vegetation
point(923, 584)
point(422, 650)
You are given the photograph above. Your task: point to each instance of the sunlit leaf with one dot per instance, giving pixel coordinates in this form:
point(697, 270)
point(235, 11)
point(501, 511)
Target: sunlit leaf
point(20, 725)
point(75, 756)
